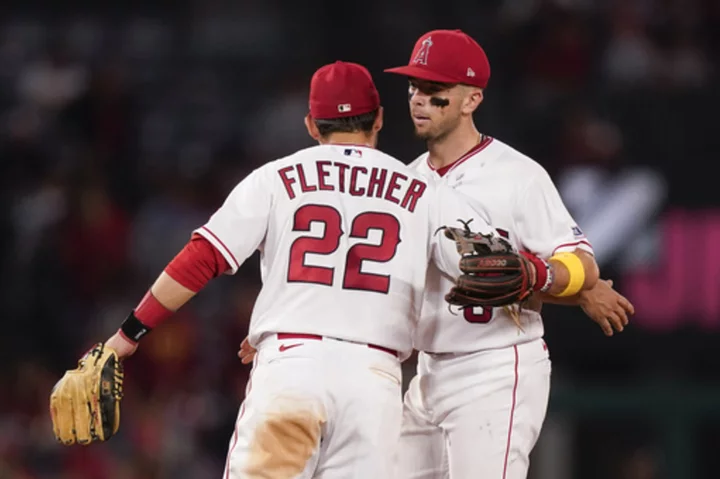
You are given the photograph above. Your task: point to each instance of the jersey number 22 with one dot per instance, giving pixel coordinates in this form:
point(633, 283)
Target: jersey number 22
point(329, 242)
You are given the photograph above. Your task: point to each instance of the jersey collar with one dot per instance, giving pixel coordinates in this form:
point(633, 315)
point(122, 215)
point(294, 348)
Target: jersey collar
point(350, 145)
point(486, 140)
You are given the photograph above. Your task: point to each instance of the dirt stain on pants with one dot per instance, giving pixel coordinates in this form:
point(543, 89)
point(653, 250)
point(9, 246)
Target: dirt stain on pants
point(283, 444)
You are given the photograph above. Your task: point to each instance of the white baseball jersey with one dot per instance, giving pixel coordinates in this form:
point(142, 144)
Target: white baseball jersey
point(524, 206)
point(345, 235)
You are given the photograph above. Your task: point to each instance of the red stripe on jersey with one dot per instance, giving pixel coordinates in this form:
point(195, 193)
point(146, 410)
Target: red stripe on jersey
point(236, 434)
point(237, 263)
point(512, 414)
point(486, 140)
point(572, 243)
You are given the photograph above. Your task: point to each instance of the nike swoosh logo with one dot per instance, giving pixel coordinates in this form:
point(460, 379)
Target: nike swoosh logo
point(285, 347)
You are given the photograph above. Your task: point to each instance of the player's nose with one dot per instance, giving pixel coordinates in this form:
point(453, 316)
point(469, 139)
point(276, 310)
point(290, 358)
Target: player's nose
point(417, 98)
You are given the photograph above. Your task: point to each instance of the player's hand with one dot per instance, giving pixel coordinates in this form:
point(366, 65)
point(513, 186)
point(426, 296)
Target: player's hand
point(608, 308)
point(247, 352)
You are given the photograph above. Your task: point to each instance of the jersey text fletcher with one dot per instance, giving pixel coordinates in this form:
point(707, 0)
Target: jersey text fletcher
point(355, 181)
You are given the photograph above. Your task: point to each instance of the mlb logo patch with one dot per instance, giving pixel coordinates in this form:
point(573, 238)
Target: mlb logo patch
point(344, 107)
point(353, 152)
point(577, 231)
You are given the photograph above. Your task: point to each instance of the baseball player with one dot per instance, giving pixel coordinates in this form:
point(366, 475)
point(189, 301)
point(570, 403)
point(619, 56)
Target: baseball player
point(346, 234)
point(478, 401)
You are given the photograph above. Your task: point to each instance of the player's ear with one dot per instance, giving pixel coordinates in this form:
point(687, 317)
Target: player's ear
point(378, 124)
point(312, 128)
point(472, 100)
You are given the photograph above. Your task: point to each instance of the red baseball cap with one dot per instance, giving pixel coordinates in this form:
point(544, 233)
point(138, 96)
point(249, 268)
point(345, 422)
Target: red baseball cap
point(447, 56)
point(342, 89)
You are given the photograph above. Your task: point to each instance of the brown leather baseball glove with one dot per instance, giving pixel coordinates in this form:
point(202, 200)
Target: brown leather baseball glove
point(494, 274)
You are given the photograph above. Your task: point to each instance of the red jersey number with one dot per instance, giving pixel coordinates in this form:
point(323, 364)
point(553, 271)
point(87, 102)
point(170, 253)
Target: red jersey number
point(362, 225)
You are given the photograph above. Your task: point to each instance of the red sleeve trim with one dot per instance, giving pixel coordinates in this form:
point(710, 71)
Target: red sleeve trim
point(573, 243)
point(197, 263)
point(237, 263)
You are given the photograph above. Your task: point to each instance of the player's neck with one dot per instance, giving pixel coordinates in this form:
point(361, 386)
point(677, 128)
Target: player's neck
point(444, 151)
point(355, 139)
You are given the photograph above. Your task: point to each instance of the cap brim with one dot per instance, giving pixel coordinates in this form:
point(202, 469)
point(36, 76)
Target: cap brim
point(422, 74)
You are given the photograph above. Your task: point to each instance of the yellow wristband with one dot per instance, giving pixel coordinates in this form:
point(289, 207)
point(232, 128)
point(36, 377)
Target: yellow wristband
point(576, 270)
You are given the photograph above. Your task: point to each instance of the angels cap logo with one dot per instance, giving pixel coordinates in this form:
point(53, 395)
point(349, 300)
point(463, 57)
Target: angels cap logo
point(421, 57)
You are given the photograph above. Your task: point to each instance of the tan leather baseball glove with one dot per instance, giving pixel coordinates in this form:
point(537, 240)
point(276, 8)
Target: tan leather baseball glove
point(85, 403)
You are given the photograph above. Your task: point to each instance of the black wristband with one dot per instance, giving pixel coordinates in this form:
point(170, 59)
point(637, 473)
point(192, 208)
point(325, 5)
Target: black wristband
point(133, 328)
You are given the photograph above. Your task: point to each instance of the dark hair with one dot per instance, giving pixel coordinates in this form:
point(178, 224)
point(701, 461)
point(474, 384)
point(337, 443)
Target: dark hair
point(348, 124)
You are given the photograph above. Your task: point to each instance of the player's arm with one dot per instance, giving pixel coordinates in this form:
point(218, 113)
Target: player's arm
point(191, 269)
point(605, 306)
point(570, 274)
point(546, 229)
point(574, 299)
point(608, 308)
point(231, 235)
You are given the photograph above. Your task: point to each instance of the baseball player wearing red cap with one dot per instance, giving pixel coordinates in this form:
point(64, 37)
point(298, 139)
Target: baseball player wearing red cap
point(478, 401)
point(345, 234)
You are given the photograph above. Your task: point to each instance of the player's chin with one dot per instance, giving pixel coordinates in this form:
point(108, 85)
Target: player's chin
point(423, 133)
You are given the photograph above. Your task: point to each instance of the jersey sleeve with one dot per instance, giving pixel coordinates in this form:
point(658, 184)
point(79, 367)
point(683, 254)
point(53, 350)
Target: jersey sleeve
point(543, 223)
point(239, 226)
point(448, 208)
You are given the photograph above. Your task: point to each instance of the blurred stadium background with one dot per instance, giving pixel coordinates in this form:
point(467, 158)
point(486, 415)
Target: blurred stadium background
point(123, 125)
